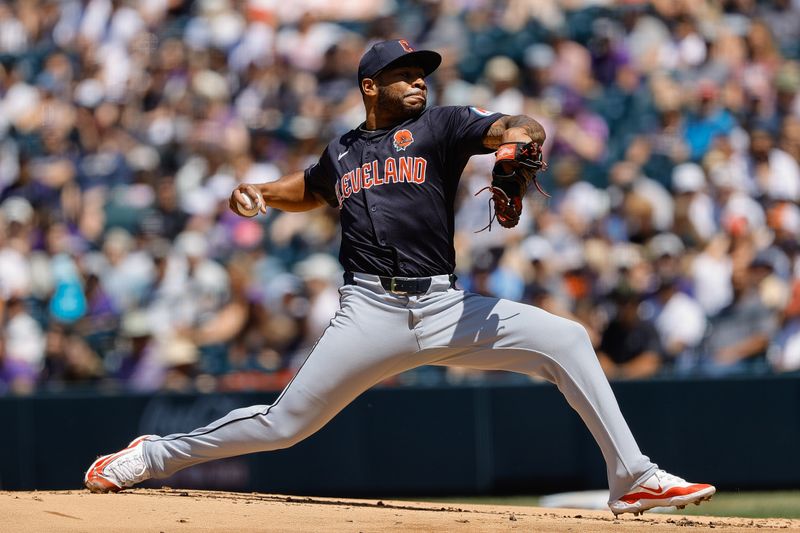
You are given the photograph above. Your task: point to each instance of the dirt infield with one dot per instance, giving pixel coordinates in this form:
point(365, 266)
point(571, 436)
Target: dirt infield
point(171, 511)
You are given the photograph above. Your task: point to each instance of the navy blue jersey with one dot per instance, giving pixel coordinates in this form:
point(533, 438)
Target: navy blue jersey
point(396, 187)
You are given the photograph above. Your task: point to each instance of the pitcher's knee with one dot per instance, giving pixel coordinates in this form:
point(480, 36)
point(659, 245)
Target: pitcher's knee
point(571, 340)
point(283, 428)
point(285, 437)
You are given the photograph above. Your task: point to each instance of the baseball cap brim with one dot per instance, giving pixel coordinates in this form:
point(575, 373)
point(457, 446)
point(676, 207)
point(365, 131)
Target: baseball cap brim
point(428, 60)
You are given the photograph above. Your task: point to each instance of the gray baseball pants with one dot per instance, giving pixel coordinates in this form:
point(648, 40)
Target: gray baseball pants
point(377, 334)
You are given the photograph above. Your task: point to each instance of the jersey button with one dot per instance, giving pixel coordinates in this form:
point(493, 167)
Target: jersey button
point(383, 241)
point(373, 208)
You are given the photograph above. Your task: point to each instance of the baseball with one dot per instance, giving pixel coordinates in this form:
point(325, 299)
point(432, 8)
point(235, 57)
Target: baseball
point(248, 206)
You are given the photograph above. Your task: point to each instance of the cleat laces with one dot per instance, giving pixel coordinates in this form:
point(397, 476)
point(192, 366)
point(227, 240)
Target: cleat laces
point(128, 469)
point(669, 479)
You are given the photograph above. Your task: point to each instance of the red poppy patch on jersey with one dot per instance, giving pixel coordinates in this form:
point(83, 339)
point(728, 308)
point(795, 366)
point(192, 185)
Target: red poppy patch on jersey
point(402, 139)
point(482, 112)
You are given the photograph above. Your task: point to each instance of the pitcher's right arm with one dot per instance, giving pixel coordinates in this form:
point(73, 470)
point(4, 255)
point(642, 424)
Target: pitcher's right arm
point(289, 193)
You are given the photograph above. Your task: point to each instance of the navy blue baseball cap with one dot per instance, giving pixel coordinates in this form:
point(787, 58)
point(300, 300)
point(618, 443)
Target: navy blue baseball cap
point(388, 53)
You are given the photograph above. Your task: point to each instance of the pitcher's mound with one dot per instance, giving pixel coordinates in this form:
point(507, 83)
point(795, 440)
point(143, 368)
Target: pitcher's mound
point(173, 510)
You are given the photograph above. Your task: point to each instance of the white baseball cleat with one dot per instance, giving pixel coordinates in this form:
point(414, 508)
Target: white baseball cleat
point(662, 489)
point(114, 472)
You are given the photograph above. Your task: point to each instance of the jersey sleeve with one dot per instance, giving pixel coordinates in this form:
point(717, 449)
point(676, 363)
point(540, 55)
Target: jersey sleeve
point(463, 128)
point(320, 179)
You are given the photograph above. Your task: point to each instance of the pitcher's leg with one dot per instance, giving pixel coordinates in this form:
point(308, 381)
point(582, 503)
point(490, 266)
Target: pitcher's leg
point(344, 363)
point(532, 341)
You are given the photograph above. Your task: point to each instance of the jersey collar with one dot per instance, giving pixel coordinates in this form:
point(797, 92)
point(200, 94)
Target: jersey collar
point(371, 134)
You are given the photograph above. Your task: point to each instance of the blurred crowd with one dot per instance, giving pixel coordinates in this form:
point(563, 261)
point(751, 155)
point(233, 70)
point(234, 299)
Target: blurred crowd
point(673, 141)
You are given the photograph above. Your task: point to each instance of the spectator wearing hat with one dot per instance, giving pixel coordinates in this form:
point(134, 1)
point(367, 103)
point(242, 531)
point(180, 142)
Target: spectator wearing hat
point(492, 275)
point(681, 325)
point(126, 271)
point(205, 281)
point(180, 359)
point(321, 274)
point(23, 347)
point(784, 350)
point(134, 361)
point(201, 289)
point(663, 125)
point(686, 49)
point(707, 119)
point(538, 59)
point(69, 359)
point(694, 208)
point(16, 226)
point(579, 131)
point(541, 280)
point(645, 205)
point(665, 252)
point(213, 332)
point(710, 272)
point(629, 348)
point(774, 173)
point(783, 18)
point(741, 332)
point(503, 77)
point(100, 323)
point(783, 218)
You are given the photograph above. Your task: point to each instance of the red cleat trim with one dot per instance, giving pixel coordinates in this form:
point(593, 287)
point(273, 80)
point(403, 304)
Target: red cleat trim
point(675, 491)
point(95, 481)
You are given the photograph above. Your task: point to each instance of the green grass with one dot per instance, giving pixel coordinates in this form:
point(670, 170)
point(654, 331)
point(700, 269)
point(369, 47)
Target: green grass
point(750, 505)
point(779, 504)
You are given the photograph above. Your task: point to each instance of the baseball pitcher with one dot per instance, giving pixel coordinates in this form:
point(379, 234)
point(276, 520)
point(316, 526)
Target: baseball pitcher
point(394, 181)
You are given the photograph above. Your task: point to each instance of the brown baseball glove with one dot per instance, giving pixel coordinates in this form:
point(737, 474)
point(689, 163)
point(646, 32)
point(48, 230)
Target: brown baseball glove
point(516, 165)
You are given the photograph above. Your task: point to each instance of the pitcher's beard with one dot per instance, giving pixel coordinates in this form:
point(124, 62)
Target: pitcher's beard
point(396, 106)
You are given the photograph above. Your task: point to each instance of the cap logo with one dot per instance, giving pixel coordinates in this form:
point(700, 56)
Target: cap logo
point(405, 45)
point(402, 139)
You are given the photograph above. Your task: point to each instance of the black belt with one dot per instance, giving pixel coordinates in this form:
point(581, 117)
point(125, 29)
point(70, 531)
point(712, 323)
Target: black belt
point(400, 285)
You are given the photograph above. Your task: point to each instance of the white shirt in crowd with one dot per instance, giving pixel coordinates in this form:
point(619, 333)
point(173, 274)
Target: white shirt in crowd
point(681, 321)
point(712, 281)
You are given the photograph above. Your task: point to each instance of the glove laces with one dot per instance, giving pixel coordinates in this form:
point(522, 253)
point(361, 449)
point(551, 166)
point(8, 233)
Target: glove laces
point(492, 212)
